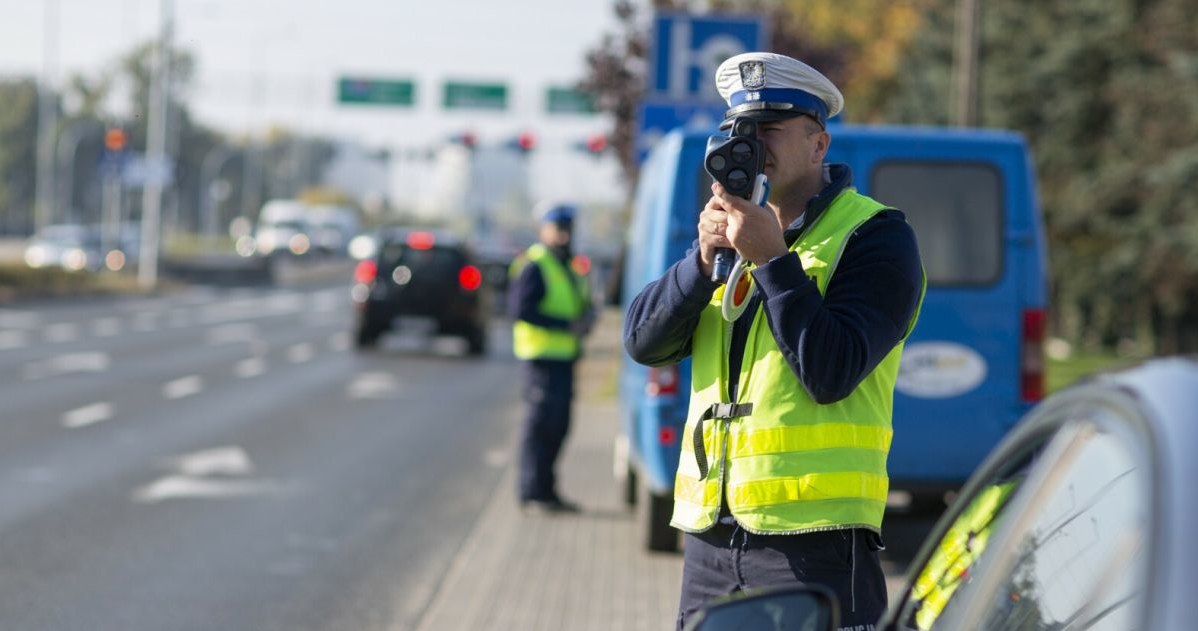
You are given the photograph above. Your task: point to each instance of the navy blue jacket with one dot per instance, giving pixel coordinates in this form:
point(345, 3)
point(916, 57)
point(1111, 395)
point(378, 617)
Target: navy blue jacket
point(831, 342)
point(526, 292)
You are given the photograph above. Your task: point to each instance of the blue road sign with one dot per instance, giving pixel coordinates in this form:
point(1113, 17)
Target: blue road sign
point(687, 49)
point(656, 119)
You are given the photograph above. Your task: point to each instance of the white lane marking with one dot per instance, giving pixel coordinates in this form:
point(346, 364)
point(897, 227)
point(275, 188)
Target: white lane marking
point(183, 387)
point(209, 473)
point(300, 353)
point(227, 333)
point(106, 327)
point(252, 308)
point(251, 367)
point(182, 486)
point(145, 321)
point(62, 332)
point(87, 415)
point(12, 339)
point(94, 361)
point(232, 460)
point(373, 385)
point(10, 318)
point(339, 341)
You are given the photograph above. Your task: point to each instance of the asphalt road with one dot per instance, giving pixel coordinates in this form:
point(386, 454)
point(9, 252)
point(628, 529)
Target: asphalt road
point(222, 459)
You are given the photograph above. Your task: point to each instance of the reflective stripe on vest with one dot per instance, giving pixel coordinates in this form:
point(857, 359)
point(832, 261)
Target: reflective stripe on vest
point(565, 298)
point(790, 464)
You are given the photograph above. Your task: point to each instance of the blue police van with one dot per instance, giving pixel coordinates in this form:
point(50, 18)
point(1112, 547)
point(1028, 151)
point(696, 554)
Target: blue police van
point(972, 366)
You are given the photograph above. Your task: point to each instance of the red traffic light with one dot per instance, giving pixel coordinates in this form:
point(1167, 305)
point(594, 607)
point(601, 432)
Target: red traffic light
point(597, 143)
point(527, 141)
point(467, 139)
point(115, 139)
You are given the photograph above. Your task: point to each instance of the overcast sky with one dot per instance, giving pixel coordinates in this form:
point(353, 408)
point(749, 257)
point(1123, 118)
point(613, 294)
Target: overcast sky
point(277, 61)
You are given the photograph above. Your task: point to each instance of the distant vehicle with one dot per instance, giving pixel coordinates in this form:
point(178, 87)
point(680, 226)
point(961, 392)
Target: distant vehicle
point(331, 228)
point(283, 228)
point(1082, 518)
point(972, 366)
point(80, 247)
point(420, 277)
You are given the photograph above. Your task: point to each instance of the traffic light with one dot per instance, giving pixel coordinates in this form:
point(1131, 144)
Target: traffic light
point(526, 141)
point(467, 139)
point(597, 144)
point(115, 139)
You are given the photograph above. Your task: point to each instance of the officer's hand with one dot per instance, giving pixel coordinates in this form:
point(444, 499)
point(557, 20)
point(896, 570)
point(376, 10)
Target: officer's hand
point(713, 228)
point(752, 230)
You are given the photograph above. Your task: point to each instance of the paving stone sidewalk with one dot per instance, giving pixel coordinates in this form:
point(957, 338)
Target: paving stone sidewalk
point(580, 572)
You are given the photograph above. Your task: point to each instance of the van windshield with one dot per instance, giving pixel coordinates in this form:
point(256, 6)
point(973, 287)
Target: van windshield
point(956, 211)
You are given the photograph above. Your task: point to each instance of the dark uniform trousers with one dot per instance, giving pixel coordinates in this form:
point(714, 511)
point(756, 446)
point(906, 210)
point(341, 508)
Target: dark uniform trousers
point(727, 559)
point(548, 392)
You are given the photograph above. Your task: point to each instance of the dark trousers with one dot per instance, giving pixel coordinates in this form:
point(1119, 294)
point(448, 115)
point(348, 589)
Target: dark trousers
point(548, 392)
point(727, 559)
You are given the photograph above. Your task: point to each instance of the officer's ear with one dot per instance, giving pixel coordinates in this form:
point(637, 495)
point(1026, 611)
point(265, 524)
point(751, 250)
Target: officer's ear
point(822, 140)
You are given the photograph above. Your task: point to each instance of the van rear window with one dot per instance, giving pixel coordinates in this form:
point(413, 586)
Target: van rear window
point(956, 211)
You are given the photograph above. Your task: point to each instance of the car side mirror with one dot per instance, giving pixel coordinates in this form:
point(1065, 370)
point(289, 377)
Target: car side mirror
point(807, 608)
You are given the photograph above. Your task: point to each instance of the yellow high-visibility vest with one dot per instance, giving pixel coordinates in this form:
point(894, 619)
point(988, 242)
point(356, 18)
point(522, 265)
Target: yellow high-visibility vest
point(785, 463)
point(565, 298)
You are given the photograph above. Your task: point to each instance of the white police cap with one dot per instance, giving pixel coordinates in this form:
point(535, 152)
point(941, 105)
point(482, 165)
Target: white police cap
point(770, 86)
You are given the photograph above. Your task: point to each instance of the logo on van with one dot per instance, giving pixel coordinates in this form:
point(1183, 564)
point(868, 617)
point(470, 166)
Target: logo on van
point(939, 370)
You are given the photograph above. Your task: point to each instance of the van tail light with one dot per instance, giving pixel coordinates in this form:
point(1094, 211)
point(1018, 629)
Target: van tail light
point(668, 436)
point(470, 278)
point(662, 381)
point(1031, 360)
point(366, 272)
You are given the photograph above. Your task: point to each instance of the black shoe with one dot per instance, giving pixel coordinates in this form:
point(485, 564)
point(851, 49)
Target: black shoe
point(551, 506)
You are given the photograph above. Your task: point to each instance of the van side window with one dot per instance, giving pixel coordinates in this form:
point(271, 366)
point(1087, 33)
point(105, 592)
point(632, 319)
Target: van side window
point(957, 213)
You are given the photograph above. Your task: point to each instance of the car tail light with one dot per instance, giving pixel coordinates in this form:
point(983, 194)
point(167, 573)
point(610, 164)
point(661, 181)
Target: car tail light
point(421, 240)
point(1031, 361)
point(667, 436)
point(469, 278)
point(662, 381)
point(365, 272)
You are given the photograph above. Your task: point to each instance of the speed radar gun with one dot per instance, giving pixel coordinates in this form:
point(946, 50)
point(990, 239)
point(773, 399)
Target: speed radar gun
point(737, 162)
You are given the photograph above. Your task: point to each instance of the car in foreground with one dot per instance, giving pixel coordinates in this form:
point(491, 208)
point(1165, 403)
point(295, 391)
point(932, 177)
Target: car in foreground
point(1081, 518)
point(415, 277)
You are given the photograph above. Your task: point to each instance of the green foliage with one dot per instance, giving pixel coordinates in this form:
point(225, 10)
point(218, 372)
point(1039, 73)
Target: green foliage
point(1107, 94)
point(18, 148)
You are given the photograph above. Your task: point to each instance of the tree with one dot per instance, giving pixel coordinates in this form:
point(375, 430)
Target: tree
point(18, 153)
point(1107, 95)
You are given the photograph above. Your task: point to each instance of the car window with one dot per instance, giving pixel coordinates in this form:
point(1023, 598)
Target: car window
point(1074, 559)
point(434, 259)
point(957, 213)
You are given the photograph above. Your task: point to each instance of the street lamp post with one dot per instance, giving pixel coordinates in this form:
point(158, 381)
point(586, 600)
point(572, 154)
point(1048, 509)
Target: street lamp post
point(147, 268)
point(214, 161)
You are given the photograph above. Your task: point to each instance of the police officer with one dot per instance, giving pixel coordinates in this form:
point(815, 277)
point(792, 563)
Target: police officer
point(782, 477)
point(549, 302)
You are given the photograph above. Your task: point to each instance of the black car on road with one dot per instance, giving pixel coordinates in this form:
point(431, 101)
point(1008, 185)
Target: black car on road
point(421, 276)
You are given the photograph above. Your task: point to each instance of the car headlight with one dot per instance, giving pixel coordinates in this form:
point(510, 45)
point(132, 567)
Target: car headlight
point(36, 256)
point(74, 259)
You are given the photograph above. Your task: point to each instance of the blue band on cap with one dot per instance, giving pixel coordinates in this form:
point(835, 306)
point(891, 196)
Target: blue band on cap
point(802, 100)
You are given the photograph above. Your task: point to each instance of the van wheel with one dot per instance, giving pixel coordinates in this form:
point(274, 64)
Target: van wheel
point(655, 513)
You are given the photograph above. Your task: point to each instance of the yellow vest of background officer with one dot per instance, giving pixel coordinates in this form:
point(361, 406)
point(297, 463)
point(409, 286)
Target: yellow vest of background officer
point(790, 465)
point(565, 298)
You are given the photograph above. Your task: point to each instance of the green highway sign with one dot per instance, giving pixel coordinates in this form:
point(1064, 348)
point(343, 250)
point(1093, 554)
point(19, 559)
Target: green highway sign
point(475, 96)
point(559, 100)
point(376, 91)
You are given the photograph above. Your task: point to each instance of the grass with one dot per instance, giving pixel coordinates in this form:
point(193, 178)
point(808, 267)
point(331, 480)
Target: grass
point(1064, 372)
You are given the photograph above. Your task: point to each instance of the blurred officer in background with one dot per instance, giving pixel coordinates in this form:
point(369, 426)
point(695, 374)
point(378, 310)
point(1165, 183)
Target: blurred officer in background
point(550, 303)
point(782, 477)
